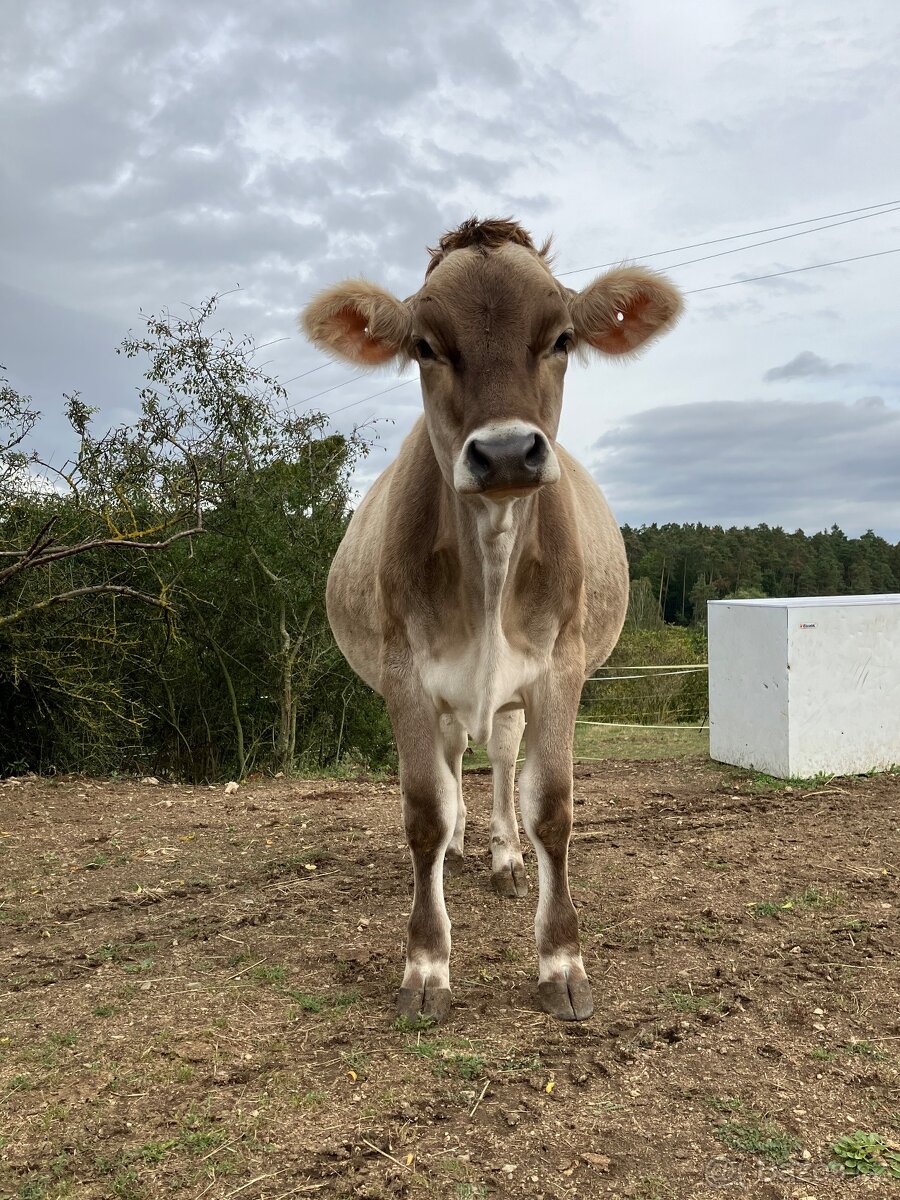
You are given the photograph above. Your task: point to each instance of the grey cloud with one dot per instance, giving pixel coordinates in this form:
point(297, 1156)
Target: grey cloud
point(783, 462)
point(807, 365)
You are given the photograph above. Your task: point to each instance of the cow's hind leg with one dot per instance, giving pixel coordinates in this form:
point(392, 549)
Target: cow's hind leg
point(507, 867)
point(545, 789)
point(429, 795)
point(455, 742)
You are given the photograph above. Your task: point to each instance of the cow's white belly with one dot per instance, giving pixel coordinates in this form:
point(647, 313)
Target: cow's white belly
point(478, 680)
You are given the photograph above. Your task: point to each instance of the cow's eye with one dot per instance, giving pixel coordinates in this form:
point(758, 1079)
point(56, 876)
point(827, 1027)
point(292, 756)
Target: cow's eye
point(562, 343)
point(423, 349)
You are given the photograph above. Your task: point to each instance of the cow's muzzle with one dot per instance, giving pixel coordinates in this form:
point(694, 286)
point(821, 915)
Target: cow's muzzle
point(506, 462)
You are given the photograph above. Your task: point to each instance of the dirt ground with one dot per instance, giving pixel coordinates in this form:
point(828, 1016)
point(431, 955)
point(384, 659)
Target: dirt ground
point(196, 994)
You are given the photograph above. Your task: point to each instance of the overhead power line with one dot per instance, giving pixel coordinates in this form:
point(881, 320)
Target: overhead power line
point(736, 236)
point(837, 262)
point(303, 374)
point(383, 392)
point(784, 238)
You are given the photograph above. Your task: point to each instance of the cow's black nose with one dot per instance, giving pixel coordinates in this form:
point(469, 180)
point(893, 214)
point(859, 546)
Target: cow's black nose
point(507, 460)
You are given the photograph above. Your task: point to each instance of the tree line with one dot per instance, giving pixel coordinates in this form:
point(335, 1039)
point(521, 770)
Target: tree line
point(684, 566)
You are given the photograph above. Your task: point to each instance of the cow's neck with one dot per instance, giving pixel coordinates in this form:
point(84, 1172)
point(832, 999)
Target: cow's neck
point(488, 539)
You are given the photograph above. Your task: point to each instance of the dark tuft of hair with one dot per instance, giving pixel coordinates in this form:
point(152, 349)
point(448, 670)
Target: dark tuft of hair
point(484, 236)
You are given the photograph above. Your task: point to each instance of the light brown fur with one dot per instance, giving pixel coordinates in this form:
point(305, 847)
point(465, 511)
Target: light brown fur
point(484, 574)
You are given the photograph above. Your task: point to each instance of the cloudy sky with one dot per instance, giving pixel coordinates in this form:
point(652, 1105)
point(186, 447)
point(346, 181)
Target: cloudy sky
point(152, 154)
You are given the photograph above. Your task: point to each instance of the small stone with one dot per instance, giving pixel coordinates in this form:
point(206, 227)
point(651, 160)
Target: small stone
point(230, 788)
point(151, 780)
point(806, 1155)
point(818, 1012)
point(508, 1168)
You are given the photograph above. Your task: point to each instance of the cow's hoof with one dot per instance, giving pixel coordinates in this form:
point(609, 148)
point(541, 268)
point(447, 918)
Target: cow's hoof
point(510, 881)
point(566, 999)
point(454, 862)
point(423, 1006)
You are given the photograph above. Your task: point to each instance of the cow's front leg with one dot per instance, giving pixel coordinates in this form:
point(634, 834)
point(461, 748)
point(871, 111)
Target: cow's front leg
point(429, 795)
point(545, 791)
point(507, 867)
point(455, 742)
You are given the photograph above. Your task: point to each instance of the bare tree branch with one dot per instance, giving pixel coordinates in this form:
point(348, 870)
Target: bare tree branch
point(114, 589)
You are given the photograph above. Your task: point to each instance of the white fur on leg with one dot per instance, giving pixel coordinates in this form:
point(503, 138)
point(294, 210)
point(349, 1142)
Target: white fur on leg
point(455, 741)
point(503, 748)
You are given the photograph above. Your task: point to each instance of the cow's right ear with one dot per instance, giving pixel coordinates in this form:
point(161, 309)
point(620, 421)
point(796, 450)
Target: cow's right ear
point(358, 322)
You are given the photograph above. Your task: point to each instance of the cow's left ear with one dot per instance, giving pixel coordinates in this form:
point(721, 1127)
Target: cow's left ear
point(358, 322)
point(620, 311)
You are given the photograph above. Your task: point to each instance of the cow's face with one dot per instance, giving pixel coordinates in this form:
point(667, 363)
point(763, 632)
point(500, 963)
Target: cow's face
point(492, 333)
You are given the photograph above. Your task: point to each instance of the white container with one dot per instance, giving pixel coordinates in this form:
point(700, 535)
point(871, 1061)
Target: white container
point(806, 686)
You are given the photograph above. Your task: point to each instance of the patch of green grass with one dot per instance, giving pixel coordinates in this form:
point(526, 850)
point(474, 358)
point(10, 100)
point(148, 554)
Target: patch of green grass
point(469, 1191)
point(309, 1099)
point(344, 1000)
point(687, 1002)
point(760, 782)
point(105, 1010)
point(527, 1063)
point(68, 1039)
point(127, 1186)
point(449, 1058)
point(863, 1153)
point(418, 1025)
point(197, 1141)
point(757, 1135)
point(152, 1152)
point(726, 1104)
point(823, 1055)
point(33, 1189)
point(135, 968)
point(309, 1002)
point(811, 899)
point(268, 975)
point(863, 1048)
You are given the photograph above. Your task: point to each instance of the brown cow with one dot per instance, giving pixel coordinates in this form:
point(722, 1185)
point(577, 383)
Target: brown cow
point(483, 577)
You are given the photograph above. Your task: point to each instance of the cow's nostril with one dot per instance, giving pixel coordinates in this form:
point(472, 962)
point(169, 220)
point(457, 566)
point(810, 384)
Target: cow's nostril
point(537, 453)
point(477, 458)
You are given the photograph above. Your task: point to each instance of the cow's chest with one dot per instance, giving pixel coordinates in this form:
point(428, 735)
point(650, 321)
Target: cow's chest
point(483, 668)
point(477, 680)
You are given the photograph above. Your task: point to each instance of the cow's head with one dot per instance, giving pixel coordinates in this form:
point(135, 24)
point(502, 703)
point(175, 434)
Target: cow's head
point(492, 331)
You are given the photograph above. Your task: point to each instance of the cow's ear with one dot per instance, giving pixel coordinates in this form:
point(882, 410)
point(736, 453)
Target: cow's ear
point(620, 311)
point(359, 322)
